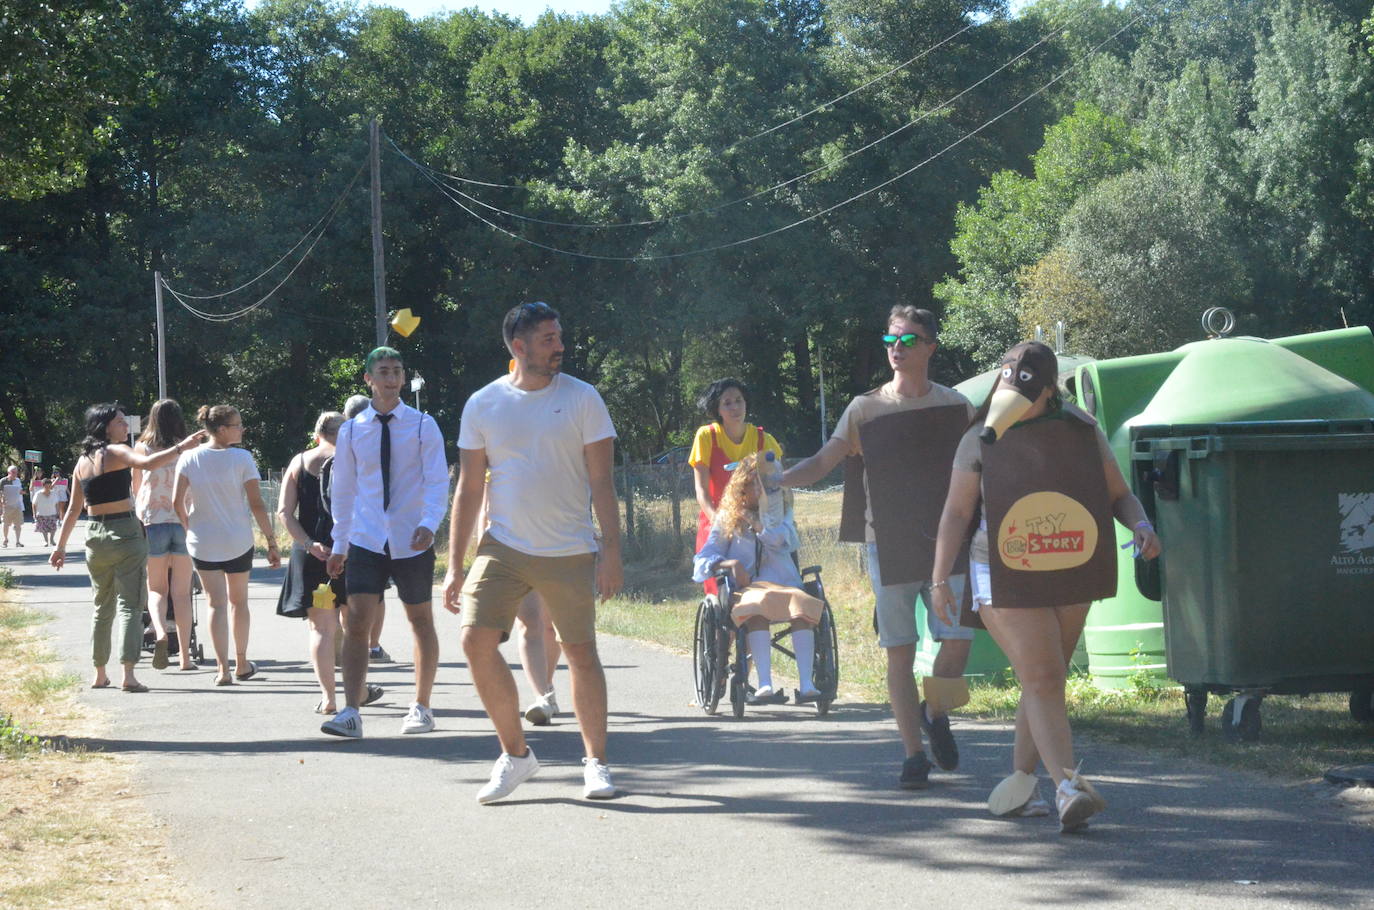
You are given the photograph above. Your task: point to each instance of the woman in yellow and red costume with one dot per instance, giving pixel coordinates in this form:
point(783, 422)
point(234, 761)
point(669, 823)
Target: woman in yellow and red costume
point(721, 444)
point(1049, 486)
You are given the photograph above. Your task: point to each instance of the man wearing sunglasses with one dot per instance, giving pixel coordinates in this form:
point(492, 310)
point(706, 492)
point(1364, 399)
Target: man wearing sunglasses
point(901, 439)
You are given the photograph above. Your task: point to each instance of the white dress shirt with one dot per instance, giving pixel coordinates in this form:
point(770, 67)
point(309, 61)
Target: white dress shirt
point(419, 482)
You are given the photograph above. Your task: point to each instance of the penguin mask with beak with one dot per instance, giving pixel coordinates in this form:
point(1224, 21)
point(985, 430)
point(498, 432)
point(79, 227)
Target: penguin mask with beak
point(1028, 369)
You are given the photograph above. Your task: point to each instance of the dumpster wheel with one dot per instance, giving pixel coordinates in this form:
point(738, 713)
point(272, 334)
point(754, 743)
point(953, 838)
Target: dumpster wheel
point(1362, 705)
point(1195, 702)
point(1241, 722)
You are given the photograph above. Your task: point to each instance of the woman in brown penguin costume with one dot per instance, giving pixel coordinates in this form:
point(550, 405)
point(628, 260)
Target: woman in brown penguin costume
point(1049, 486)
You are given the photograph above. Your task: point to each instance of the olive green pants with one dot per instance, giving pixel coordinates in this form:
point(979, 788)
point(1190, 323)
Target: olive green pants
point(117, 558)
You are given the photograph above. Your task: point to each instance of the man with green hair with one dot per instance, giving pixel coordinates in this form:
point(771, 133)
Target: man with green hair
point(389, 489)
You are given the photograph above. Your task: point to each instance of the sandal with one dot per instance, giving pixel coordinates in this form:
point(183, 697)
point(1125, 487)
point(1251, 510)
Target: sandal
point(224, 681)
point(252, 671)
point(372, 694)
point(323, 707)
point(135, 687)
point(160, 654)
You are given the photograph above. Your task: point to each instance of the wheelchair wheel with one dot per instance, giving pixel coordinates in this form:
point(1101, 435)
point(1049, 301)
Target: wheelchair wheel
point(827, 669)
point(706, 654)
point(739, 674)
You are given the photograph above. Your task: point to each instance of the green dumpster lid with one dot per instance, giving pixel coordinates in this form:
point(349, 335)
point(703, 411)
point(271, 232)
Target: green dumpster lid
point(1250, 379)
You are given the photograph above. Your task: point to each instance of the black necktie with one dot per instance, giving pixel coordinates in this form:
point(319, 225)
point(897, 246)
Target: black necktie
point(386, 460)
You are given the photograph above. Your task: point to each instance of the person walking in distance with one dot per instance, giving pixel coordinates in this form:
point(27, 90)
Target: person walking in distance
point(12, 505)
point(904, 434)
point(549, 443)
point(388, 490)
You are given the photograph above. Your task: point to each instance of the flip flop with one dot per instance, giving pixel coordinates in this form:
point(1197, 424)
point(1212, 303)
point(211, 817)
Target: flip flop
point(160, 654)
point(104, 685)
point(321, 709)
point(372, 694)
point(224, 681)
point(135, 687)
point(252, 671)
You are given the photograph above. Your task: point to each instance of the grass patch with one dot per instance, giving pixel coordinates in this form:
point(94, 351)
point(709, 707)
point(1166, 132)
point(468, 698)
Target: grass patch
point(72, 834)
point(7, 578)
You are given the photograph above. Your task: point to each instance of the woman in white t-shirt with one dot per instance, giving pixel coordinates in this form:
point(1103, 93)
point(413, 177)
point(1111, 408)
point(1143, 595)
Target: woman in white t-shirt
point(169, 560)
point(44, 502)
point(225, 499)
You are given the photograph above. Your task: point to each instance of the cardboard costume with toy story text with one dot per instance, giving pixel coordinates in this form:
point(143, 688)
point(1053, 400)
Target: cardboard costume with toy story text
point(1050, 539)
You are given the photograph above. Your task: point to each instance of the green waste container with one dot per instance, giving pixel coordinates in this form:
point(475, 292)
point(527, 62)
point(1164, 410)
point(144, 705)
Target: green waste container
point(1268, 565)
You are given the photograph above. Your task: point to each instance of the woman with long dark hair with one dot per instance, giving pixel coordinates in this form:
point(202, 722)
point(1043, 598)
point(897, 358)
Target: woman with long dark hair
point(116, 549)
point(718, 445)
point(169, 561)
point(226, 498)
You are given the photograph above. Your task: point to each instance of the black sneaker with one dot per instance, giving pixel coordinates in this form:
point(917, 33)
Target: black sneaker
point(942, 744)
point(916, 773)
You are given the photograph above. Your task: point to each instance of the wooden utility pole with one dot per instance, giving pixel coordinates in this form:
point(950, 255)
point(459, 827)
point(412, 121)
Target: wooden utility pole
point(161, 338)
point(378, 265)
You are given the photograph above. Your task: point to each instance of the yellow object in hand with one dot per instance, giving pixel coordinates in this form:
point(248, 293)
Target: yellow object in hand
point(405, 322)
point(323, 598)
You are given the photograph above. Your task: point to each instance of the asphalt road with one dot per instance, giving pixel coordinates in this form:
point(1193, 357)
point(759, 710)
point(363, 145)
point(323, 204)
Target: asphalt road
point(781, 809)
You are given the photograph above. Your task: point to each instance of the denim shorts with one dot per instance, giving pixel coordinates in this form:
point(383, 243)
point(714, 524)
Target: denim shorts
point(896, 608)
point(167, 539)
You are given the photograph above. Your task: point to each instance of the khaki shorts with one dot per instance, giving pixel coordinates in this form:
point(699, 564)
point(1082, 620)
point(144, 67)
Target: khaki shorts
point(502, 576)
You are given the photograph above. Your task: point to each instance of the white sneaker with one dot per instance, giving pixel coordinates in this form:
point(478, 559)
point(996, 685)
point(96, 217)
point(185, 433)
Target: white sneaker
point(596, 780)
point(542, 710)
point(509, 772)
point(418, 720)
point(347, 722)
point(1077, 801)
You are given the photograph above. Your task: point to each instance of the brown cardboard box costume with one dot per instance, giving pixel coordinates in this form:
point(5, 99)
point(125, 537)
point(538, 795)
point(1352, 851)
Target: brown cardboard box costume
point(907, 460)
point(1049, 517)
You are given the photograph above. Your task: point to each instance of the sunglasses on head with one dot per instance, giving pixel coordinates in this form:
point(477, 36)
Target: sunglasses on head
point(908, 340)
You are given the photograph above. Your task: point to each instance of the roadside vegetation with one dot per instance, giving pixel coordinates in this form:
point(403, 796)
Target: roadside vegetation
point(71, 831)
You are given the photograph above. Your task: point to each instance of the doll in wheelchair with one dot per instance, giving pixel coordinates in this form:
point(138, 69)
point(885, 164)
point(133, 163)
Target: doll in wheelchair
point(752, 551)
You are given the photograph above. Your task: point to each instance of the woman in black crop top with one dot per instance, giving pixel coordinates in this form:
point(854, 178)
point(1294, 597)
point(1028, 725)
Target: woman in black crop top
point(116, 550)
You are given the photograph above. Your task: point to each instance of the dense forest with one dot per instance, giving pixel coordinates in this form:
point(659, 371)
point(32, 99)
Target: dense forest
point(703, 187)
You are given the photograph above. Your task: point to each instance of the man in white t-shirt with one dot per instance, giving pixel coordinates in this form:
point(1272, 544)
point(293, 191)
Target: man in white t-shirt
point(910, 340)
point(12, 505)
point(549, 444)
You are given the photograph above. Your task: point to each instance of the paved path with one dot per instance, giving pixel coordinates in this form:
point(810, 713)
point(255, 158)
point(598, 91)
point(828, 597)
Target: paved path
point(781, 809)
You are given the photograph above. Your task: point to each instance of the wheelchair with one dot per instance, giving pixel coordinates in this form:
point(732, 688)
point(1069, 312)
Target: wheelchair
point(716, 671)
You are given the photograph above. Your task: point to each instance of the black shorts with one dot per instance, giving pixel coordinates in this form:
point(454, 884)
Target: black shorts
point(367, 572)
point(237, 564)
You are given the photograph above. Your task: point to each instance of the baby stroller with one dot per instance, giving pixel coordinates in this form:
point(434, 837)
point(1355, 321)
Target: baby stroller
point(715, 670)
point(194, 647)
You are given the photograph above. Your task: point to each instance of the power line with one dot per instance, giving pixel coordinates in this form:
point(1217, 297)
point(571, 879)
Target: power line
point(710, 210)
point(798, 223)
point(321, 226)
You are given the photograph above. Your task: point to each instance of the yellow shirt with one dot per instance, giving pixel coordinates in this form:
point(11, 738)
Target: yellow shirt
point(701, 445)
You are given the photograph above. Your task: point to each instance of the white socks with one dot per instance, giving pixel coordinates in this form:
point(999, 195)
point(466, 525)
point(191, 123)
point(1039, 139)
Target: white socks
point(804, 644)
point(760, 649)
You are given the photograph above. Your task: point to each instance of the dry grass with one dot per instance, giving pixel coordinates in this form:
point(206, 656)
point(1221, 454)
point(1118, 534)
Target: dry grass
point(72, 831)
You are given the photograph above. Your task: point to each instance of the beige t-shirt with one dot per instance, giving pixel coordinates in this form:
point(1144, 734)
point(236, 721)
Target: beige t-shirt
point(969, 457)
point(880, 403)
